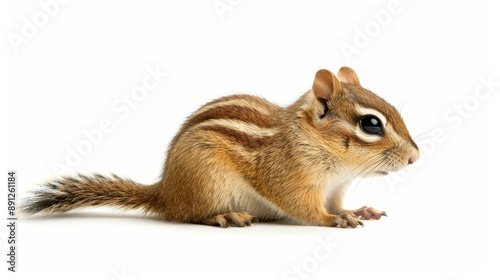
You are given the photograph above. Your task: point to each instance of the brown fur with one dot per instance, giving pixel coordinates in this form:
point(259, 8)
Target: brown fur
point(241, 158)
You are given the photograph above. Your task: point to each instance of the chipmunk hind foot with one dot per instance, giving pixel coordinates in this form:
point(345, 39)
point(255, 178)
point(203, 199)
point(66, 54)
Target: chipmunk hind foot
point(238, 219)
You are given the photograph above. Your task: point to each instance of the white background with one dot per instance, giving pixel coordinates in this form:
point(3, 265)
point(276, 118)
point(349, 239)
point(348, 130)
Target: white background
point(426, 59)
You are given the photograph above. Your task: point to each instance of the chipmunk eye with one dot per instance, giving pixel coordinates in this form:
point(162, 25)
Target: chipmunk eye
point(371, 125)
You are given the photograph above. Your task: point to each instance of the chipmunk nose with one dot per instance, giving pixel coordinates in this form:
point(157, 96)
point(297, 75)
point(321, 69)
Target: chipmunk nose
point(413, 157)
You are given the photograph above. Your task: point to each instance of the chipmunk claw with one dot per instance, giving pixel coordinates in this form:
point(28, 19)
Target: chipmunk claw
point(369, 213)
point(348, 220)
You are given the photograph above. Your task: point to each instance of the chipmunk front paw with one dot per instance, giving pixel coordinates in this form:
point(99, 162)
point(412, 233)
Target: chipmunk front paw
point(347, 220)
point(368, 213)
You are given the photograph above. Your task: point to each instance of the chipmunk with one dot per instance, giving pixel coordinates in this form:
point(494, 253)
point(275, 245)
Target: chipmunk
point(240, 158)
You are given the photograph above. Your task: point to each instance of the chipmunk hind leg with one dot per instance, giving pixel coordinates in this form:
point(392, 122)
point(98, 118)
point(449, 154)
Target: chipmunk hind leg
point(204, 191)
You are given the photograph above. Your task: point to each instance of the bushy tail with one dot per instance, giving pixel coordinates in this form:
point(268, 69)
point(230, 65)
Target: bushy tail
point(69, 193)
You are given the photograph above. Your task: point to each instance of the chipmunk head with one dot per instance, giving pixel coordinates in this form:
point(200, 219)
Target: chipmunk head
point(358, 126)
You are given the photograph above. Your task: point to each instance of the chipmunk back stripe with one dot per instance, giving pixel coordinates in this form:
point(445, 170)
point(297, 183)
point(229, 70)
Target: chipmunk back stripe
point(239, 126)
point(235, 136)
point(232, 112)
point(236, 100)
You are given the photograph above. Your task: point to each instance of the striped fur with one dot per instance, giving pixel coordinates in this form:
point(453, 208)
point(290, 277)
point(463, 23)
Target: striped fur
point(241, 157)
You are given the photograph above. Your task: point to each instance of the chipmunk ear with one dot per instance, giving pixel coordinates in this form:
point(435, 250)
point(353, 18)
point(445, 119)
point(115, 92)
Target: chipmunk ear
point(347, 75)
point(325, 84)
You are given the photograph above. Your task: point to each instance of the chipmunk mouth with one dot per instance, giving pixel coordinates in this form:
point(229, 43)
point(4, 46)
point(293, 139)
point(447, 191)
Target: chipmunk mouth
point(382, 173)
